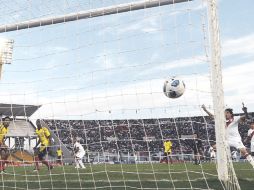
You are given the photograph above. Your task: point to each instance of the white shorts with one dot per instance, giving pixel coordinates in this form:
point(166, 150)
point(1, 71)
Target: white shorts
point(236, 143)
point(80, 154)
point(212, 154)
point(252, 147)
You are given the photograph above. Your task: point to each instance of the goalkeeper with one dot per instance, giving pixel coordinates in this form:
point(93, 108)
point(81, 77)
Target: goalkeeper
point(44, 142)
point(167, 151)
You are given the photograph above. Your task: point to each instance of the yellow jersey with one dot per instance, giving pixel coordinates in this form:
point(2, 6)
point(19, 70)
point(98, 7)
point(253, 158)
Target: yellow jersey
point(43, 135)
point(59, 152)
point(167, 146)
point(3, 132)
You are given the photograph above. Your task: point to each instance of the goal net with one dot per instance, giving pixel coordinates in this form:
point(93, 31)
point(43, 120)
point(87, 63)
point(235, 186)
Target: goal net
point(94, 70)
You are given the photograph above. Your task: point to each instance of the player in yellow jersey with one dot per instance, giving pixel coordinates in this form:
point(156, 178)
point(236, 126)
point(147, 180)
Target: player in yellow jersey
point(4, 152)
point(167, 151)
point(59, 153)
point(44, 142)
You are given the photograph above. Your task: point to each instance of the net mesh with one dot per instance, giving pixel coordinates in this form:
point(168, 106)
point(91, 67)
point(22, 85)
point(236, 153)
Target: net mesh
point(99, 81)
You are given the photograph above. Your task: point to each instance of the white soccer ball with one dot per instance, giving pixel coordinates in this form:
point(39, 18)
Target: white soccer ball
point(173, 87)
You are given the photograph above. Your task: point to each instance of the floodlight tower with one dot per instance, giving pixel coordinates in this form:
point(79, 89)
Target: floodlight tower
point(6, 49)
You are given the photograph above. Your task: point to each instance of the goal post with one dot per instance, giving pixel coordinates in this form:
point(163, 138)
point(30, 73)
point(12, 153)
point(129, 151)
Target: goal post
point(134, 6)
point(223, 156)
point(6, 49)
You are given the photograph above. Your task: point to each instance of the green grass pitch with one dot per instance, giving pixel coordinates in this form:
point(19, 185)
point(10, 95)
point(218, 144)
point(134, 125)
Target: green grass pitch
point(123, 177)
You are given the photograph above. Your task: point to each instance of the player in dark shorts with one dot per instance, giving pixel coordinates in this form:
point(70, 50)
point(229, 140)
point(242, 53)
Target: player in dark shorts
point(197, 148)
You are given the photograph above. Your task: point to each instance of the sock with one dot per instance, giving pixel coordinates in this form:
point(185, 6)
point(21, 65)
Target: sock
point(77, 163)
point(46, 163)
point(4, 164)
point(196, 160)
point(36, 159)
point(171, 161)
point(250, 159)
point(1, 165)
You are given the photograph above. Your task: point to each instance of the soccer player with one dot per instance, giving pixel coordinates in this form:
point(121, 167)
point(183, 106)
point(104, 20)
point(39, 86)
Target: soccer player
point(3, 147)
point(197, 148)
point(167, 151)
point(79, 154)
point(212, 153)
point(44, 142)
point(59, 153)
point(250, 138)
point(233, 136)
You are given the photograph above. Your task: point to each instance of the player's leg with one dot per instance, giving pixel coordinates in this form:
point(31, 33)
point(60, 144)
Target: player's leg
point(169, 157)
point(42, 153)
point(246, 155)
point(164, 158)
point(252, 148)
point(196, 156)
point(77, 162)
point(5, 157)
point(80, 161)
point(2, 160)
point(200, 155)
point(212, 157)
point(60, 160)
point(36, 161)
point(4, 153)
point(239, 145)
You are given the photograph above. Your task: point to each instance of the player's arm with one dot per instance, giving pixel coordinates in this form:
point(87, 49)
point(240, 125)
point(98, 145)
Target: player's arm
point(207, 112)
point(245, 116)
point(37, 144)
point(76, 149)
point(170, 145)
point(249, 137)
point(4, 139)
point(49, 137)
point(164, 146)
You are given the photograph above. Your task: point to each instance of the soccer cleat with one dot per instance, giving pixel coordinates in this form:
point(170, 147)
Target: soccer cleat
point(3, 172)
point(35, 170)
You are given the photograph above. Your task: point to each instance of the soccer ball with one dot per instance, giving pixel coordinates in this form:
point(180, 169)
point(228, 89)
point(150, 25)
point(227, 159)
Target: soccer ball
point(173, 87)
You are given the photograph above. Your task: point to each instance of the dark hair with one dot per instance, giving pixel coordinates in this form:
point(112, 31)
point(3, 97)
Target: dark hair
point(230, 110)
point(196, 133)
point(6, 117)
point(38, 122)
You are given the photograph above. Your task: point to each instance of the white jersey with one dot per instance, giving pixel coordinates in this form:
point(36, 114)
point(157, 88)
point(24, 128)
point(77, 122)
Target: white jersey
point(212, 152)
point(250, 131)
point(232, 130)
point(81, 152)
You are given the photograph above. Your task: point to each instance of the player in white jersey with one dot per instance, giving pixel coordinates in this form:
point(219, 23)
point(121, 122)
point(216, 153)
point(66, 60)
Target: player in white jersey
point(233, 136)
point(212, 153)
point(79, 154)
point(251, 138)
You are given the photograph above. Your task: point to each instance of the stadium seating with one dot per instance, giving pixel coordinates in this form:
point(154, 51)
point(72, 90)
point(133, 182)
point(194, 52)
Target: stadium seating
point(135, 135)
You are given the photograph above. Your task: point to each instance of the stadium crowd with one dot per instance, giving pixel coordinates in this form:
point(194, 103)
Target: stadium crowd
point(145, 135)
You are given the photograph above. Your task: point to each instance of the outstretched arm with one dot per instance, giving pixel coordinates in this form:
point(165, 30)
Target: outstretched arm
point(249, 137)
point(245, 116)
point(208, 113)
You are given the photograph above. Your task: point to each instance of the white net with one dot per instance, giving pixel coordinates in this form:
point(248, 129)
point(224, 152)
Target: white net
point(95, 73)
